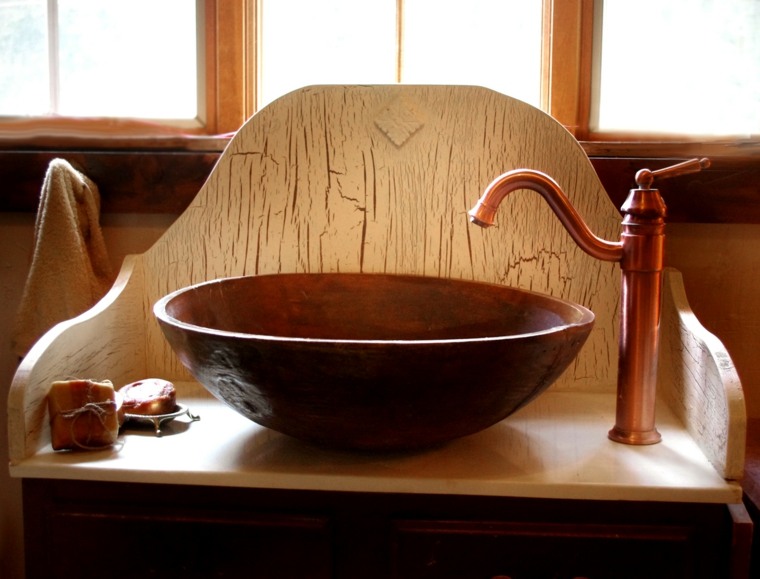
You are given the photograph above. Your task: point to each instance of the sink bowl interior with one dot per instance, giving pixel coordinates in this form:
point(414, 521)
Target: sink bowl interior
point(372, 361)
point(367, 308)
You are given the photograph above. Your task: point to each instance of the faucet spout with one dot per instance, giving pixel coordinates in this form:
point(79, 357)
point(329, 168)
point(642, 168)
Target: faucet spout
point(641, 256)
point(484, 211)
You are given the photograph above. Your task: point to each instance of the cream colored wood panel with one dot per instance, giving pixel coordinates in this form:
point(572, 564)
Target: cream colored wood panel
point(106, 342)
point(380, 179)
point(699, 381)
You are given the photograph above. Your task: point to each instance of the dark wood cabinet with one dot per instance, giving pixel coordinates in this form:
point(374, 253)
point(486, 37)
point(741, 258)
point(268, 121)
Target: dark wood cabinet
point(101, 529)
point(547, 550)
point(125, 543)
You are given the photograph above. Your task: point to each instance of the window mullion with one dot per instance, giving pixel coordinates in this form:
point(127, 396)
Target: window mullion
point(567, 62)
point(252, 56)
point(399, 39)
point(229, 74)
point(54, 76)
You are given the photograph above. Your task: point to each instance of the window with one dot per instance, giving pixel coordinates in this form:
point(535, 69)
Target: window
point(679, 67)
point(306, 42)
point(494, 44)
point(607, 69)
point(88, 58)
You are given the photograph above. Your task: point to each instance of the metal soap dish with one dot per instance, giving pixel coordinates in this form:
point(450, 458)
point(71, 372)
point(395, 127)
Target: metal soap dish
point(159, 419)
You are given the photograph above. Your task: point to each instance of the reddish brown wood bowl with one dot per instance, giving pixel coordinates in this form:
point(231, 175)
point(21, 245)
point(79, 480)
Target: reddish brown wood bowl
point(372, 361)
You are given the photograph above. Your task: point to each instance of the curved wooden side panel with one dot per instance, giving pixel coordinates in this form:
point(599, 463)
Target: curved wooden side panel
point(105, 342)
point(700, 383)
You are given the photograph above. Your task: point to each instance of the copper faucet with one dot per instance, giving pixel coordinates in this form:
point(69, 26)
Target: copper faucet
point(641, 256)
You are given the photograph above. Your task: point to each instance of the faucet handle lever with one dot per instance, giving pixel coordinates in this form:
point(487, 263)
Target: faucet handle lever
point(645, 177)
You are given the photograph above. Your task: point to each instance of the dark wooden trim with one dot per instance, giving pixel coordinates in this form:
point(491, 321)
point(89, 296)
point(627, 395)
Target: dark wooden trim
point(727, 192)
point(751, 481)
point(165, 181)
point(751, 486)
point(370, 535)
point(129, 182)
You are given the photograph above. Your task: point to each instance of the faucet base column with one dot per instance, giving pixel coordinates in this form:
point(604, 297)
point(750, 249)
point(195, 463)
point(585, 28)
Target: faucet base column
point(643, 250)
point(637, 438)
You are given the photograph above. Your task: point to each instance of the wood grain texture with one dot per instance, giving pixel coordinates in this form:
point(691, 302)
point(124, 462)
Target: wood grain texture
point(700, 383)
point(359, 179)
point(313, 183)
point(105, 342)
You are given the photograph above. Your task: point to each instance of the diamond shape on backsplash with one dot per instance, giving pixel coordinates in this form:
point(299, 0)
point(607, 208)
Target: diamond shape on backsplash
point(399, 120)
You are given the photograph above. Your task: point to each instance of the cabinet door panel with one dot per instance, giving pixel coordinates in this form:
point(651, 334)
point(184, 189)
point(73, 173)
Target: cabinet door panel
point(475, 550)
point(92, 545)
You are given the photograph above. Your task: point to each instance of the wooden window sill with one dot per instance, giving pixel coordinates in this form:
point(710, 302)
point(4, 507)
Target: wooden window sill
point(149, 180)
point(137, 143)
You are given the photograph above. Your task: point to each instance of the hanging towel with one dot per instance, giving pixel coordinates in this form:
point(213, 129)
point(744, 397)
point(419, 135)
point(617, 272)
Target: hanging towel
point(70, 268)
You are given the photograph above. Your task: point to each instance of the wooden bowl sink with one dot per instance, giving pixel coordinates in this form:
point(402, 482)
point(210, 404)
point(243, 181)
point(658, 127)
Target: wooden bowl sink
point(372, 361)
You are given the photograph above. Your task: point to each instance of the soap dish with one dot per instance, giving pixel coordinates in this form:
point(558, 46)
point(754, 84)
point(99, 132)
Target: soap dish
point(158, 420)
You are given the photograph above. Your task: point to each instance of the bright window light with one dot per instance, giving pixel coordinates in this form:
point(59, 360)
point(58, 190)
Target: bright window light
point(308, 42)
point(92, 58)
point(24, 87)
point(480, 42)
point(681, 66)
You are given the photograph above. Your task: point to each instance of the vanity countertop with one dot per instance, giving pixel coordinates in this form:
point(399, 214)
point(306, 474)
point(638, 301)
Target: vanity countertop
point(556, 447)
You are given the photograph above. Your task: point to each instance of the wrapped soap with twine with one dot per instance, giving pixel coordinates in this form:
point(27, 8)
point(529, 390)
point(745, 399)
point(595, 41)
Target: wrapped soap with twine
point(84, 414)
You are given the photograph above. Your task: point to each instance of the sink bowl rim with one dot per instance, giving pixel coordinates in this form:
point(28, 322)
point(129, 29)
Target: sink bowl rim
point(160, 311)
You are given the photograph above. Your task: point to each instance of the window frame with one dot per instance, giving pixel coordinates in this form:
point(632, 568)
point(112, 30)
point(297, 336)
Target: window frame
point(226, 98)
point(568, 92)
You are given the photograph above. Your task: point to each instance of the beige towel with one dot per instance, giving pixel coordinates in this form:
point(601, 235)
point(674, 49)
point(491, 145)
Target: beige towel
point(70, 268)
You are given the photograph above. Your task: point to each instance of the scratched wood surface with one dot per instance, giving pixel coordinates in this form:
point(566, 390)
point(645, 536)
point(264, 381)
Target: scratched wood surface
point(380, 179)
point(699, 382)
point(354, 179)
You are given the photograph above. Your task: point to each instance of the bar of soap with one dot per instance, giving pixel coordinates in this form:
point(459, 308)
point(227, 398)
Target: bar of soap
point(149, 397)
point(84, 414)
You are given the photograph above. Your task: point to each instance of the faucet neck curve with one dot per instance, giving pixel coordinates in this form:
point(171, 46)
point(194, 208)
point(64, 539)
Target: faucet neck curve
point(485, 210)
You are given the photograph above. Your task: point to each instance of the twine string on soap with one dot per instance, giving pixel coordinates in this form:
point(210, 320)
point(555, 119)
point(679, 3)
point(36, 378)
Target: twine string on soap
point(100, 410)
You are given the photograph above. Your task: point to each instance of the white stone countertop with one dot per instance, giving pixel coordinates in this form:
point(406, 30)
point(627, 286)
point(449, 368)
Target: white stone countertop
point(556, 447)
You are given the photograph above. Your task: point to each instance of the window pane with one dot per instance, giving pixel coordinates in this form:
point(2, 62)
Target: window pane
point(326, 42)
point(482, 42)
point(128, 59)
point(24, 57)
point(682, 66)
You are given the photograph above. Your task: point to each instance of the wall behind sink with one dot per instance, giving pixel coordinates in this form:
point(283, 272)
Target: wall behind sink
point(721, 268)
